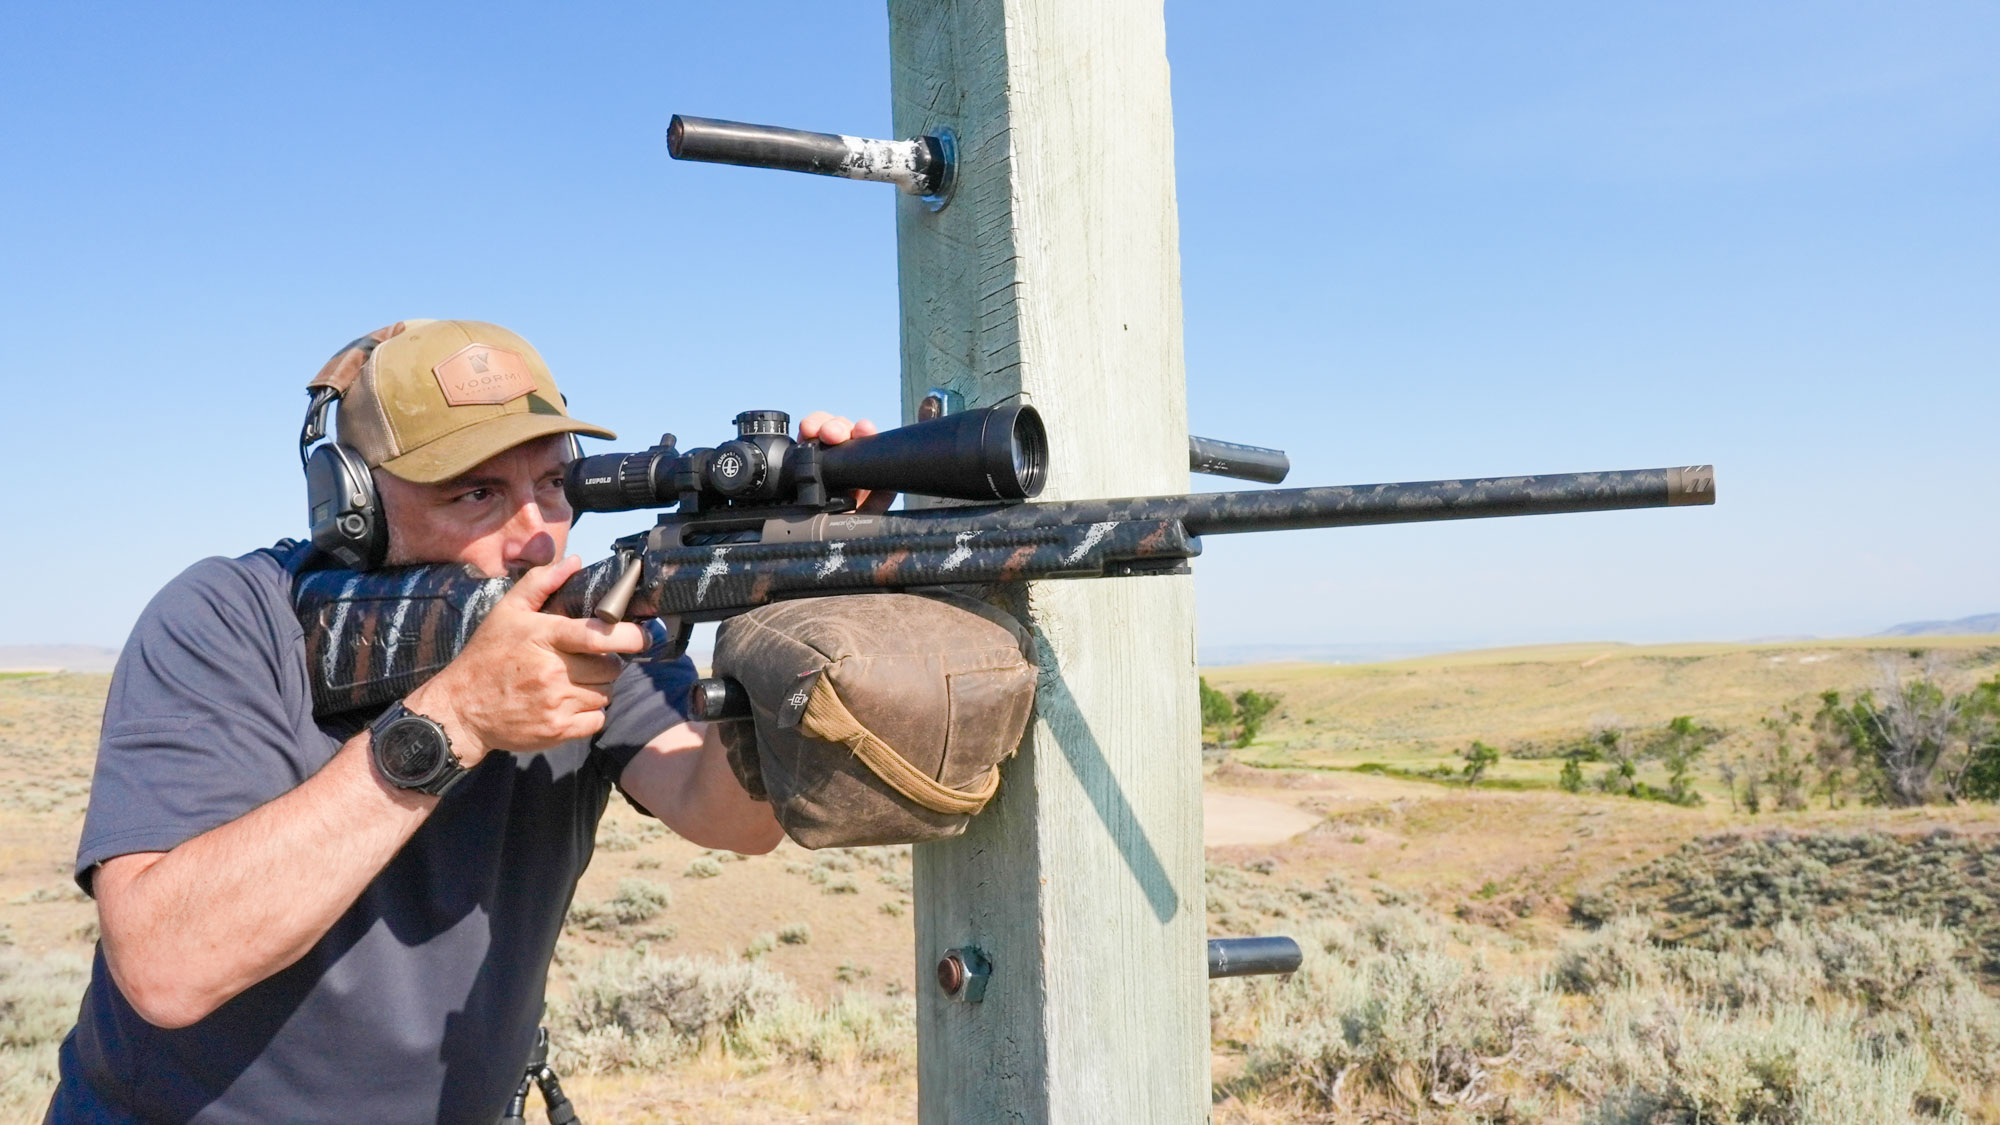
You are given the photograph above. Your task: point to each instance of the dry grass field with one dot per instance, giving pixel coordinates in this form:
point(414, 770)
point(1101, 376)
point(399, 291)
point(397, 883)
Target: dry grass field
point(1422, 713)
point(1486, 954)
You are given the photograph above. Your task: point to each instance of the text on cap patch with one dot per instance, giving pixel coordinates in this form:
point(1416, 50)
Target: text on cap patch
point(483, 375)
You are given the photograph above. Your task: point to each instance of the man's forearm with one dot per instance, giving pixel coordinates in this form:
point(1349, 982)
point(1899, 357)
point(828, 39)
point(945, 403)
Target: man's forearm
point(683, 777)
point(186, 930)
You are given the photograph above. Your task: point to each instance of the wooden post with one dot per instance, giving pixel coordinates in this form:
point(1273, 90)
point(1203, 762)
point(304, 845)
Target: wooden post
point(1054, 273)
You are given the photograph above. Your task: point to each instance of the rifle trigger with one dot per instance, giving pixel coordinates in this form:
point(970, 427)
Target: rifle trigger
point(612, 606)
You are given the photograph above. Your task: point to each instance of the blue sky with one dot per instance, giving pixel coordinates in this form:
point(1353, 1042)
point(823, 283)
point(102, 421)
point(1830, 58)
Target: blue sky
point(1418, 241)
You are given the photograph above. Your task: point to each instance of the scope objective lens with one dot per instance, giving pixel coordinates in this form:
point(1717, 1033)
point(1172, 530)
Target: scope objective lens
point(1031, 451)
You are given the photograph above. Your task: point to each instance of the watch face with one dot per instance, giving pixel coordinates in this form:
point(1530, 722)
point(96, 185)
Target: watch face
point(409, 750)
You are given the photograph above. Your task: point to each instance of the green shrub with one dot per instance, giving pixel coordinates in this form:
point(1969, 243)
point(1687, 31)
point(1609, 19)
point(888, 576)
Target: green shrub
point(1252, 708)
point(1980, 719)
point(1572, 777)
point(703, 867)
point(1218, 714)
point(1918, 741)
point(1478, 758)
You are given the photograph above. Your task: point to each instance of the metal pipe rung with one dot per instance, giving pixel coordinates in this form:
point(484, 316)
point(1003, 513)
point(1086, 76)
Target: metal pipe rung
point(1252, 956)
point(920, 166)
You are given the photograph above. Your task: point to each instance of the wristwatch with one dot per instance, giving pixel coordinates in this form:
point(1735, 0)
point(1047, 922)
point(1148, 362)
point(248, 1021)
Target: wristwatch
point(412, 751)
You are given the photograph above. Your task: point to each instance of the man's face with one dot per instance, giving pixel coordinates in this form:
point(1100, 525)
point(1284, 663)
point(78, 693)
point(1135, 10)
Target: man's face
point(505, 515)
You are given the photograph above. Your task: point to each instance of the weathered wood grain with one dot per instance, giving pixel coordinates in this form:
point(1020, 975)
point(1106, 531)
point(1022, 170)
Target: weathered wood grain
point(1054, 273)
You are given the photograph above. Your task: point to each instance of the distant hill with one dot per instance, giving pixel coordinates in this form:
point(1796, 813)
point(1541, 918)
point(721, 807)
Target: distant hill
point(1978, 623)
point(1423, 712)
point(47, 658)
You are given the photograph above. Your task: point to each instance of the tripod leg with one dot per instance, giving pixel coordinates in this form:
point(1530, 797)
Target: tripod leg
point(517, 1106)
point(561, 1112)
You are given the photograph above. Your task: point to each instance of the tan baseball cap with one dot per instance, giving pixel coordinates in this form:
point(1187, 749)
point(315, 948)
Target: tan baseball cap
point(427, 400)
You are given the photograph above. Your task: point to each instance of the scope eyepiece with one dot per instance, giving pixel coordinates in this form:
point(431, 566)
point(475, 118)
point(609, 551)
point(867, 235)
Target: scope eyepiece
point(616, 482)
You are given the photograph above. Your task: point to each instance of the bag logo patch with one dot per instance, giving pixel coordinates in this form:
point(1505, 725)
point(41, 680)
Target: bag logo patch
point(483, 375)
point(793, 708)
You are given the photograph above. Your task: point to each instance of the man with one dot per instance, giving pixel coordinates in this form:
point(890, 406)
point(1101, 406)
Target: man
point(290, 932)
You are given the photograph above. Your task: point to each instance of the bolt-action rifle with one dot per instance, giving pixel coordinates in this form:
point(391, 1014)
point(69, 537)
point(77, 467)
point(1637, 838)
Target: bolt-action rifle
point(763, 518)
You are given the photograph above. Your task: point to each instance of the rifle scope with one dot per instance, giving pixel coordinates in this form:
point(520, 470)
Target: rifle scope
point(995, 453)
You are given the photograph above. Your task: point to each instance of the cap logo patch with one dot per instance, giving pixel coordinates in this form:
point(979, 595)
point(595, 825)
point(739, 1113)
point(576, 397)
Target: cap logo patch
point(483, 375)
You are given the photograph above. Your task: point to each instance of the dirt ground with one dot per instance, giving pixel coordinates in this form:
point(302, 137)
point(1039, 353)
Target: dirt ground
point(1231, 818)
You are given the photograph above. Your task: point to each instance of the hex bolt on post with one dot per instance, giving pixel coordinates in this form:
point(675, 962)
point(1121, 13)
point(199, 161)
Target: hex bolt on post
point(921, 166)
point(962, 974)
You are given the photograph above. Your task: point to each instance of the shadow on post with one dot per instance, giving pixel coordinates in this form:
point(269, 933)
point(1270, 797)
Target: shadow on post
point(1085, 756)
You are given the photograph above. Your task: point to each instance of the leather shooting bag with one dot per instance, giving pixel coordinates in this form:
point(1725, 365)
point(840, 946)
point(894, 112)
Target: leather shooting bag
point(877, 718)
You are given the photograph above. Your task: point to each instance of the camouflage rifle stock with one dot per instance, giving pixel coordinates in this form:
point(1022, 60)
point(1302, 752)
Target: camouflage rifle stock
point(374, 637)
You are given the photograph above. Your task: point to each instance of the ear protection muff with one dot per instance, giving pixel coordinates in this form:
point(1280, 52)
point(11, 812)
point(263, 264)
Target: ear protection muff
point(341, 506)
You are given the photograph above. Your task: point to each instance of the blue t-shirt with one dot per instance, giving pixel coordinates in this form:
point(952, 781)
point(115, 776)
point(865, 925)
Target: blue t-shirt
point(422, 1001)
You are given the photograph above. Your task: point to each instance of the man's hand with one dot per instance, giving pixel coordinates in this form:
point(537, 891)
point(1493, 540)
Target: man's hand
point(527, 680)
point(832, 429)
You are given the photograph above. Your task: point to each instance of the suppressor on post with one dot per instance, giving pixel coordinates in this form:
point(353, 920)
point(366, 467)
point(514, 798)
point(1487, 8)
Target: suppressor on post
point(920, 166)
point(1244, 462)
point(1252, 956)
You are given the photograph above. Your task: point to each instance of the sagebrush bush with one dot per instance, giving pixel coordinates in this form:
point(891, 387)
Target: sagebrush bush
point(1655, 1060)
point(851, 1027)
point(38, 1005)
point(638, 1011)
point(1383, 1009)
point(637, 900)
point(1857, 1020)
point(1721, 889)
point(1617, 955)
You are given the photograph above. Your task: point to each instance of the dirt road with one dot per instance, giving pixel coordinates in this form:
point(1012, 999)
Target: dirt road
point(1236, 818)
